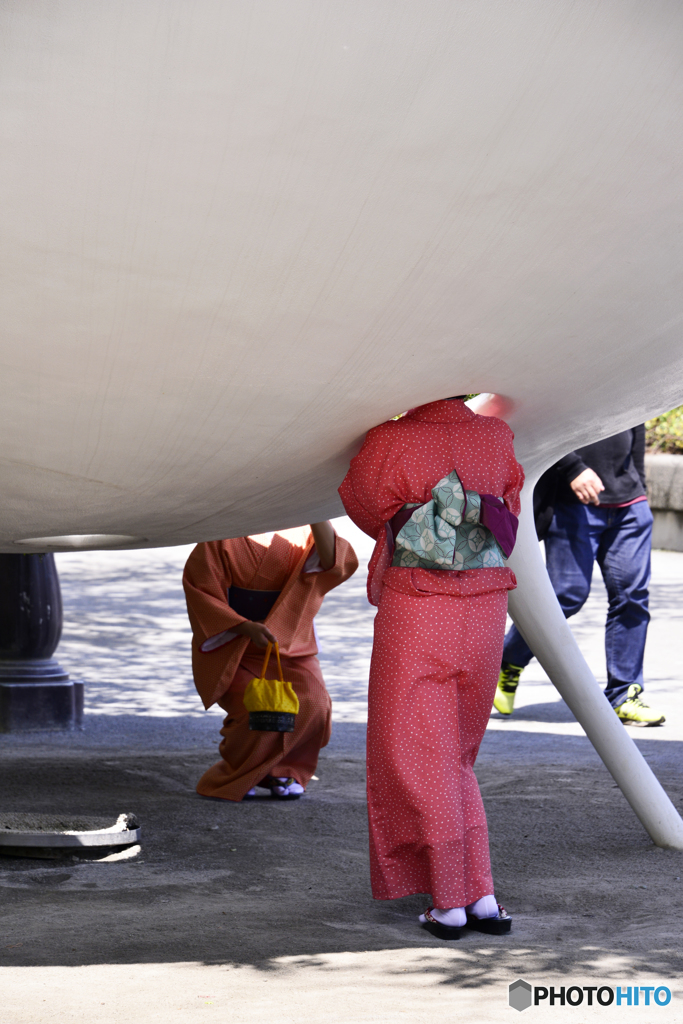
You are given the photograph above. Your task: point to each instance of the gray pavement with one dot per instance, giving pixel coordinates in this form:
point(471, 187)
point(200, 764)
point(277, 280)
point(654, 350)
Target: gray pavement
point(262, 911)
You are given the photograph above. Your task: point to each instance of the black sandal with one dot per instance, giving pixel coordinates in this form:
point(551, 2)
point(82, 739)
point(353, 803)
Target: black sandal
point(441, 931)
point(500, 925)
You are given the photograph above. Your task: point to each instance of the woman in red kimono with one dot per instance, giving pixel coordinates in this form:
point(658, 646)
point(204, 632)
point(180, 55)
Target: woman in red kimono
point(439, 490)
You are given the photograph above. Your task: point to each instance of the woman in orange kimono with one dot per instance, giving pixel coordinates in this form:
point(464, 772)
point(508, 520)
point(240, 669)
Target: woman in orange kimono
point(439, 490)
point(242, 594)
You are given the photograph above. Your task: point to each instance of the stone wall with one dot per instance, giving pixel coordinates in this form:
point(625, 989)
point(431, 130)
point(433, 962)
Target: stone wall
point(665, 494)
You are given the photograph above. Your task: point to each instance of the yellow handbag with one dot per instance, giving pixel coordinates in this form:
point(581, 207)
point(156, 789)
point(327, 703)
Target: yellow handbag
point(272, 703)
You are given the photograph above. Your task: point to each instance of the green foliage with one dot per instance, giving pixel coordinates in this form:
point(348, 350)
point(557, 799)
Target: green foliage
point(665, 433)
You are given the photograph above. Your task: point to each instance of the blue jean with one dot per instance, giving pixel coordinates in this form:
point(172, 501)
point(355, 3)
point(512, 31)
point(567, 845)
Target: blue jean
point(619, 540)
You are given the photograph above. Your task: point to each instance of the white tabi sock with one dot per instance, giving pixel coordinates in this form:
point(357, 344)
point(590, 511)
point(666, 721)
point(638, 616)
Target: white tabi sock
point(291, 789)
point(485, 907)
point(453, 917)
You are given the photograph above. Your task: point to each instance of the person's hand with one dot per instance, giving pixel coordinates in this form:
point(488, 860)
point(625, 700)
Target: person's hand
point(587, 486)
point(257, 632)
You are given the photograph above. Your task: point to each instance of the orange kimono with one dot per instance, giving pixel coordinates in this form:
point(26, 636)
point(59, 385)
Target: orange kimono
point(224, 662)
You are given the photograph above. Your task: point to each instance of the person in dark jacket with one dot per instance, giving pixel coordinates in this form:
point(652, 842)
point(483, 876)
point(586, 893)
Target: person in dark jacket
point(591, 506)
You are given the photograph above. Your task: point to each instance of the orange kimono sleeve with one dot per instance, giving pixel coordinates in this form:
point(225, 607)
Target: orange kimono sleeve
point(206, 580)
point(345, 564)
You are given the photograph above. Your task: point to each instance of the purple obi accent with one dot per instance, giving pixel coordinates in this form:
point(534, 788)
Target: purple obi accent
point(494, 515)
point(397, 522)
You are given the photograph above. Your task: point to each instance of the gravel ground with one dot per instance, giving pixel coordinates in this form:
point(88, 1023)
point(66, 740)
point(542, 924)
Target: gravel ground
point(262, 911)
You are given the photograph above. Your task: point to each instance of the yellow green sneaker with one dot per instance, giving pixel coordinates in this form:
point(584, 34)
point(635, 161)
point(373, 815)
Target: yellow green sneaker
point(508, 681)
point(634, 711)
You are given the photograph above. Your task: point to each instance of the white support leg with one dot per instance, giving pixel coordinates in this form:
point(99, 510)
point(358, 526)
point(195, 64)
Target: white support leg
point(538, 616)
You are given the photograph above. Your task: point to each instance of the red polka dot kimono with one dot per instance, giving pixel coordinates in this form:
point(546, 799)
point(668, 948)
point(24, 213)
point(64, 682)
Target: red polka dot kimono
point(436, 656)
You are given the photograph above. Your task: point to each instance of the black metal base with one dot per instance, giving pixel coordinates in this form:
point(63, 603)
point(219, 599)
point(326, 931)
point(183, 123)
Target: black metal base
point(36, 707)
point(31, 670)
point(35, 691)
point(271, 721)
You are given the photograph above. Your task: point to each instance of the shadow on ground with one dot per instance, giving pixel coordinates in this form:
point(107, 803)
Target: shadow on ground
point(224, 883)
point(551, 711)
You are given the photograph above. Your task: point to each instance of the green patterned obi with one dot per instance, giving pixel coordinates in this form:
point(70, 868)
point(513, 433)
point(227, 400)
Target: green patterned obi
point(445, 532)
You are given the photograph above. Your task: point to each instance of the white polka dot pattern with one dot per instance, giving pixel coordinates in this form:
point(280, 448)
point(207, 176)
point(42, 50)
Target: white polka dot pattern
point(436, 657)
point(402, 460)
point(435, 664)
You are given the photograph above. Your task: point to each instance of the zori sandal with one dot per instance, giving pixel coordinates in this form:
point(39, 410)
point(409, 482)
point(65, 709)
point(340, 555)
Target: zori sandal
point(500, 925)
point(441, 931)
point(283, 789)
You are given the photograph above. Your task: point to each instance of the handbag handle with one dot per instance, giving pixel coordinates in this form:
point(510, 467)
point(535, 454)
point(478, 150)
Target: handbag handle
point(267, 659)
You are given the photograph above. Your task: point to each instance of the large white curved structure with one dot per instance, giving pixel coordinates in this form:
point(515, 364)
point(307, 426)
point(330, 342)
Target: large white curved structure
point(237, 234)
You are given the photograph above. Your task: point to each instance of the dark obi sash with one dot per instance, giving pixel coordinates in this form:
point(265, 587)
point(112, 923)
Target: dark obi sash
point(255, 605)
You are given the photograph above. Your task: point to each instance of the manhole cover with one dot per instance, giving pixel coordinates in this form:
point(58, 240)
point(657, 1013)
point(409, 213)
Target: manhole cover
point(62, 831)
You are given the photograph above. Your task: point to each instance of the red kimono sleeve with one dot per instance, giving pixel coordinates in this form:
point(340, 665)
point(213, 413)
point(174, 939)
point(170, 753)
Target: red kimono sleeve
point(369, 490)
point(515, 480)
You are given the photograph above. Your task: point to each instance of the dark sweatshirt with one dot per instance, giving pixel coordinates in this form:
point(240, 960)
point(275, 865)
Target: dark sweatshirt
point(619, 461)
